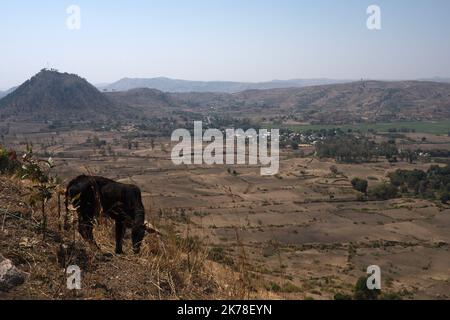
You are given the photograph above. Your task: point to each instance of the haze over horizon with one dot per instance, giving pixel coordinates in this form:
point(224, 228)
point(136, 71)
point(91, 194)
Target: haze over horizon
point(255, 41)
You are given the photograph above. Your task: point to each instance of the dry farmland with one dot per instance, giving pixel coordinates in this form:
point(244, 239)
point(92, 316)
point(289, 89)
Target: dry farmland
point(299, 234)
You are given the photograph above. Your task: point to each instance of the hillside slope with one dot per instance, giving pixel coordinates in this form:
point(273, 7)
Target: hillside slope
point(51, 95)
point(144, 100)
point(168, 271)
point(338, 103)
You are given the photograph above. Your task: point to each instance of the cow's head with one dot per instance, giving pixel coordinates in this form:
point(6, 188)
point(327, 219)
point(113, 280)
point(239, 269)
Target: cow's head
point(138, 231)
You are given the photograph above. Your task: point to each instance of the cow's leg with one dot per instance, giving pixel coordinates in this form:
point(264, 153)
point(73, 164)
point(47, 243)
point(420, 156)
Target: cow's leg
point(138, 232)
point(120, 233)
point(86, 222)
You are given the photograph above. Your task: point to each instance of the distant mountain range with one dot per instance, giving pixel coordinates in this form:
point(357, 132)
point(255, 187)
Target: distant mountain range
point(51, 95)
point(175, 85)
point(436, 79)
point(183, 86)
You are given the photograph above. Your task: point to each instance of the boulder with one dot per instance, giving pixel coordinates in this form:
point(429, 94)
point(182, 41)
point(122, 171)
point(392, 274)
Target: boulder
point(10, 276)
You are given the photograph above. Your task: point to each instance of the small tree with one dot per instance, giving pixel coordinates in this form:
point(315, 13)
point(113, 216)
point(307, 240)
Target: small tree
point(360, 185)
point(38, 171)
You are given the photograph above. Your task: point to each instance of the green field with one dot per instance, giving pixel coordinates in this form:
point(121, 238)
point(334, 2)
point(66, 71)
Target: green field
point(436, 127)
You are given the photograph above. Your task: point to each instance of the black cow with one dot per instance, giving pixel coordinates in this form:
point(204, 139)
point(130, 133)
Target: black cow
point(122, 202)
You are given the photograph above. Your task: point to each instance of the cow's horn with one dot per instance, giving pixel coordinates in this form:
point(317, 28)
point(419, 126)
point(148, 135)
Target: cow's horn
point(151, 229)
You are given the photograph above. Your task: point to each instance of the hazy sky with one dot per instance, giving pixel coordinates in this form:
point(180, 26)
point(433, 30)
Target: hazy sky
point(245, 40)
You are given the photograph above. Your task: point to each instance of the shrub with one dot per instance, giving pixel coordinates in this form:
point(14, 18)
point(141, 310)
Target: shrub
point(272, 286)
point(289, 287)
point(8, 162)
point(342, 296)
point(361, 292)
point(445, 197)
point(334, 170)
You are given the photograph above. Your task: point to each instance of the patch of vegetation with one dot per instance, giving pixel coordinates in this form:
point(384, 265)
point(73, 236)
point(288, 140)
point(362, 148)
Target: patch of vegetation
point(342, 296)
point(384, 191)
point(287, 287)
point(9, 163)
point(347, 149)
point(361, 292)
point(435, 127)
point(218, 254)
point(355, 147)
point(432, 184)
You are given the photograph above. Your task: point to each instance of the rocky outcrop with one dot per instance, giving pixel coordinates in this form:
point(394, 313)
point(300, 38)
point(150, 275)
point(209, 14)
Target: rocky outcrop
point(10, 276)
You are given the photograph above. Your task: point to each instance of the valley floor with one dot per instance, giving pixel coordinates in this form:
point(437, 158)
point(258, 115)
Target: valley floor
point(299, 235)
